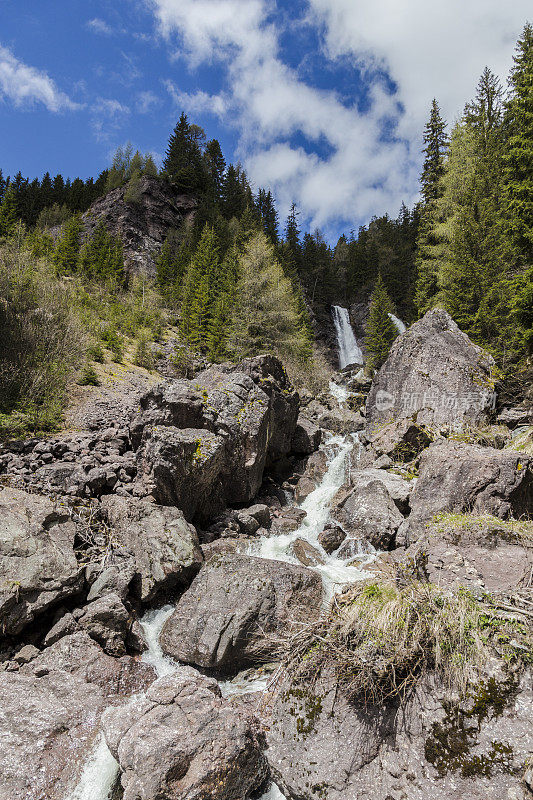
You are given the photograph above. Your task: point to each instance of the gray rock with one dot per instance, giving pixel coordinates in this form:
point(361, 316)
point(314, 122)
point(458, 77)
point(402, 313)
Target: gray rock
point(368, 512)
point(342, 421)
point(319, 744)
point(398, 488)
point(26, 654)
point(207, 442)
point(183, 742)
point(165, 549)
point(434, 376)
point(306, 554)
point(331, 537)
point(235, 602)
point(38, 566)
point(307, 437)
point(107, 621)
point(248, 524)
point(50, 712)
point(64, 626)
point(458, 477)
point(261, 513)
point(315, 469)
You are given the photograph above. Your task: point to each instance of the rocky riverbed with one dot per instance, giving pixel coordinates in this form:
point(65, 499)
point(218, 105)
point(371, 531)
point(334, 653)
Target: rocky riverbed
point(155, 569)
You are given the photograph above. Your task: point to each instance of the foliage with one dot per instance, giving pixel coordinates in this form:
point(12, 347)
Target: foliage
point(379, 640)
point(380, 331)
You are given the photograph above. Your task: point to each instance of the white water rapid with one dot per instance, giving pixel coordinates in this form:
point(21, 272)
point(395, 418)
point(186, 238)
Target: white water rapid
point(349, 350)
point(400, 327)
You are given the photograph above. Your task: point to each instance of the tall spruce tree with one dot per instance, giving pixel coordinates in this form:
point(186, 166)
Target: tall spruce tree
point(518, 151)
point(380, 331)
point(67, 250)
point(183, 163)
point(198, 291)
point(9, 213)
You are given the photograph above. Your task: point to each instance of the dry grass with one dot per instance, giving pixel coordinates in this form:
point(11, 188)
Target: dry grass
point(380, 639)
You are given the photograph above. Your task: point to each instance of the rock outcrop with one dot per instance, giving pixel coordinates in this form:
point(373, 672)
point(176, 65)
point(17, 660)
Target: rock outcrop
point(181, 740)
point(368, 513)
point(459, 477)
point(142, 225)
point(321, 745)
point(38, 566)
point(224, 620)
point(435, 377)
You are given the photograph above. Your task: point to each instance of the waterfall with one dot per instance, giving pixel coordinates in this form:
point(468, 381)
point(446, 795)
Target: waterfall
point(349, 350)
point(400, 327)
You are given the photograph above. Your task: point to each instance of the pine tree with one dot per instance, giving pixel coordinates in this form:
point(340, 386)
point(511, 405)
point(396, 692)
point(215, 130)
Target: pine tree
point(198, 292)
point(380, 331)
point(183, 162)
point(435, 149)
point(9, 213)
point(102, 258)
point(233, 195)
point(67, 250)
point(518, 151)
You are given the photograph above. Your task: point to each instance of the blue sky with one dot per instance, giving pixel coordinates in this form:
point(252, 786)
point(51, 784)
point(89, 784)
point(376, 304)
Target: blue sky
point(323, 101)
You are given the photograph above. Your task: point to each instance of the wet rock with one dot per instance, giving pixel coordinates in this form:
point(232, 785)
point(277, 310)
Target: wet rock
point(288, 520)
point(306, 554)
point(434, 376)
point(224, 620)
point(183, 741)
point(320, 744)
point(248, 525)
point(50, 712)
point(458, 477)
point(315, 470)
point(261, 513)
point(331, 538)
point(368, 512)
point(306, 438)
point(165, 549)
point(38, 566)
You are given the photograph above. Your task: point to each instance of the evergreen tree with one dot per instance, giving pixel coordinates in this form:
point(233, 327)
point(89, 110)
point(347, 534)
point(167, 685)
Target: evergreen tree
point(199, 291)
point(233, 194)
point(215, 168)
point(101, 257)
point(434, 150)
point(67, 250)
point(518, 151)
point(380, 331)
point(9, 213)
point(183, 162)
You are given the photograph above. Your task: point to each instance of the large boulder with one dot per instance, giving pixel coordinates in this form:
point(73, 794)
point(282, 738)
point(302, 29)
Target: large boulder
point(181, 741)
point(479, 553)
point(458, 477)
point(38, 566)
point(207, 442)
point(368, 512)
point(322, 745)
point(434, 377)
point(223, 621)
point(164, 547)
point(50, 712)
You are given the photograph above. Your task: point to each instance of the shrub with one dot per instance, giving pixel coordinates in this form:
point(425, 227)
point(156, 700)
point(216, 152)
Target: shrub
point(143, 354)
point(89, 377)
point(96, 353)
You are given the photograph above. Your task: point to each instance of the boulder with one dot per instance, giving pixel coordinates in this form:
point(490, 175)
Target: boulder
point(434, 377)
point(315, 470)
point(50, 712)
point(181, 741)
point(479, 553)
point(223, 621)
point(368, 512)
point(164, 547)
point(107, 621)
point(331, 538)
point(306, 554)
point(306, 438)
point(459, 477)
point(397, 487)
point(322, 745)
point(207, 442)
point(342, 421)
point(38, 566)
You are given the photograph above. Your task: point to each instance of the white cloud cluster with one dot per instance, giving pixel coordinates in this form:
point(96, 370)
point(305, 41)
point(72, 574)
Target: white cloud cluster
point(108, 116)
point(24, 85)
point(98, 25)
point(427, 49)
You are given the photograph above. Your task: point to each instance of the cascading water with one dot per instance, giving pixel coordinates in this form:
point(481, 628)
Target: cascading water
point(400, 327)
point(349, 350)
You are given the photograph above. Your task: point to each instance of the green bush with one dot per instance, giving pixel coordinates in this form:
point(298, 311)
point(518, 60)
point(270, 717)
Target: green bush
point(89, 377)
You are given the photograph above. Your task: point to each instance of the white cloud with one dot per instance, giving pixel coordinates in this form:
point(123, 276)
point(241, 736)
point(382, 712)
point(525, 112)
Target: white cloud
point(428, 49)
point(25, 85)
point(108, 116)
point(98, 25)
point(198, 102)
point(146, 102)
